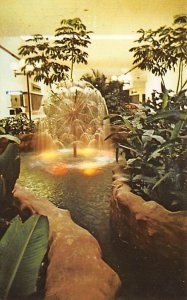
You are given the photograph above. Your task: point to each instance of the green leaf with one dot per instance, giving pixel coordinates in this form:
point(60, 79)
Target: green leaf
point(159, 139)
point(10, 138)
point(176, 130)
point(165, 100)
point(128, 124)
point(147, 136)
point(177, 114)
point(22, 249)
point(145, 179)
point(131, 161)
point(166, 145)
point(2, 130)
point(129, 148)
point(163, 178)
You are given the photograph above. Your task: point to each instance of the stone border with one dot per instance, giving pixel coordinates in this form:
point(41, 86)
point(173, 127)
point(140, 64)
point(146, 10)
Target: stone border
point(146, 224)
point(76, 270)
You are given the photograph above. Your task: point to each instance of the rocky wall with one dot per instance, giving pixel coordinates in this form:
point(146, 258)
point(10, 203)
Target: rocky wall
point(76, 270)
point(145, 224)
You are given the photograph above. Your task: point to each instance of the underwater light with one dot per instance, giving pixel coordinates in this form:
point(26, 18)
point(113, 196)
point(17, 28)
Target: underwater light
point(65, 150)
point(91, 171)
point(58, 169)
point(48, 155)
point(89, 168)
point(87, 151)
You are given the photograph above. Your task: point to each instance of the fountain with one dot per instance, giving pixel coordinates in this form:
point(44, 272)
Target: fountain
point(75, 116)
point(73, 119)
point(83, 186)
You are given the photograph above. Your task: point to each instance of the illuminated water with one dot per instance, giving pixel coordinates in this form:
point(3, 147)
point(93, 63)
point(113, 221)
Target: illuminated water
point(75, 116)
point(86, 194)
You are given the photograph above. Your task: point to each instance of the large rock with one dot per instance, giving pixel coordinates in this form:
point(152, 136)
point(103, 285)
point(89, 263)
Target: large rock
point(76, 270)
point(146, 224)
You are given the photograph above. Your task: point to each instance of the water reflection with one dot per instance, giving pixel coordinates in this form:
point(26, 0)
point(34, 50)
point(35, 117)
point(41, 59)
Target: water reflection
point(89, 161)
point(87, 196)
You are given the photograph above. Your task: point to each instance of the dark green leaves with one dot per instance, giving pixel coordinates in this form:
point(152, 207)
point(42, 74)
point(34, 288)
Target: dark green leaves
point(22, 249)
point(155, 148)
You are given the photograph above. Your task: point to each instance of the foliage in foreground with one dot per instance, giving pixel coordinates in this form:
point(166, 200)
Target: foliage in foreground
point(22, 249)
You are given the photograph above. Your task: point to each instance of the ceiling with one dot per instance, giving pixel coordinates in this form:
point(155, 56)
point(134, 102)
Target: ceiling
point(116, 19)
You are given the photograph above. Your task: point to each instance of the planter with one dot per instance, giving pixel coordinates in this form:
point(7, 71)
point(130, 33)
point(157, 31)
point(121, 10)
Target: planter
point(76, 270)
point(145, 224)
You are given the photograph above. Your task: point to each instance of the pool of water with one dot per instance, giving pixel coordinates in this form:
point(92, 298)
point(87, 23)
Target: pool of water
point(87, 196)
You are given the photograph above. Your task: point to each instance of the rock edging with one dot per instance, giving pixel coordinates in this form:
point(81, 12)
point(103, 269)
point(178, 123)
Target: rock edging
point(76, 270)
point(146, 224)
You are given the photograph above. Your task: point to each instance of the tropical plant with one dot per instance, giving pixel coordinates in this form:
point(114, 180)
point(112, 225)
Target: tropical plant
point(112, 91)
point(43, 60)
point(45, 57)
point(97, 79)
point(73, 38)
point(156, 149)
point(22, 249)
point(9, 170)
point(155, 143)
point(163, 49)
point(116, 98)
point(17, 124)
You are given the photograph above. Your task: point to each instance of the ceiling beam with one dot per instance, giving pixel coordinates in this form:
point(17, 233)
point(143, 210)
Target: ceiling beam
point(9, 52)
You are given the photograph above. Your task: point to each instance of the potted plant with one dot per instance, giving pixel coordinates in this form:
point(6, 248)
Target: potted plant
point(148, 208)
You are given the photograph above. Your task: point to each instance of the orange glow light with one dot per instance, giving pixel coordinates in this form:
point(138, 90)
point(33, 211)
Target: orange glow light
point(58, 169)
point(90, 171)
point(49, 155)
point(89, 168)
point(87, 151)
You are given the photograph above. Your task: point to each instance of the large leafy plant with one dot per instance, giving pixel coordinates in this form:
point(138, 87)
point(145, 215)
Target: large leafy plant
point(155, 146)
point(162, 50)
point(50, 59)
point(155, 149)
point(72, 37)
point(22, 249)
